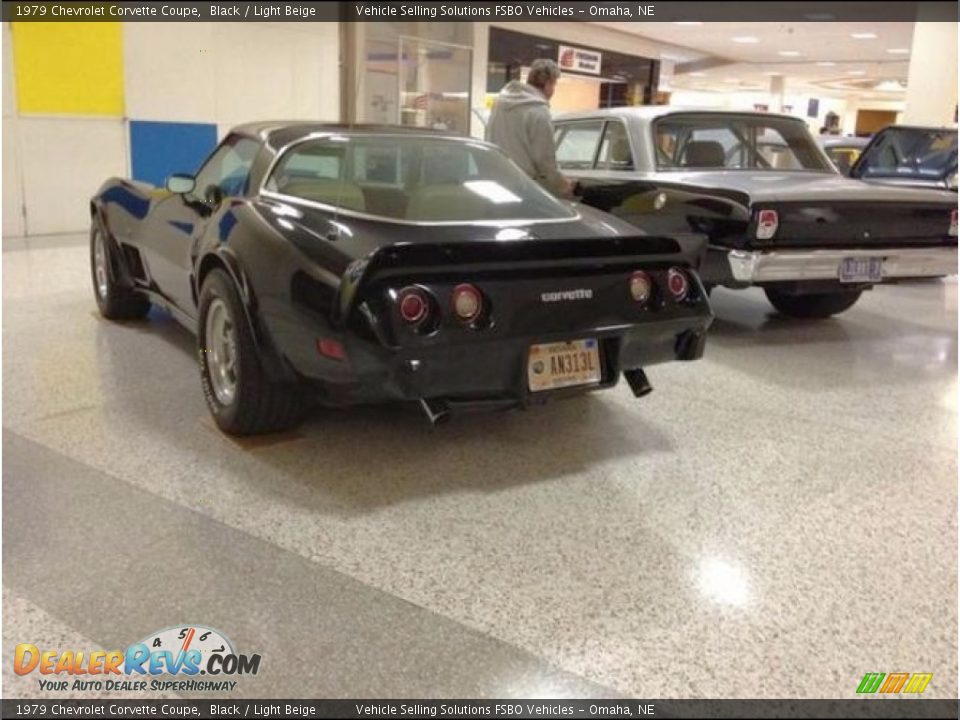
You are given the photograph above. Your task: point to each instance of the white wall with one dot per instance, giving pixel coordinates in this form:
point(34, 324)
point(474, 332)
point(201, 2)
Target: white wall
point(169, 71)
point(219, 73)
point(246, 72)
point(932, 96)
point(65, 160)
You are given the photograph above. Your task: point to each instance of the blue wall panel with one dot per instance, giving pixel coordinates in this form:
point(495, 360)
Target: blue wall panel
point(159, 149)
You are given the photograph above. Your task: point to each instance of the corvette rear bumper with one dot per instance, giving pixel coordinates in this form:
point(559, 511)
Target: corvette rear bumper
point(494, 374)
point(794, 265)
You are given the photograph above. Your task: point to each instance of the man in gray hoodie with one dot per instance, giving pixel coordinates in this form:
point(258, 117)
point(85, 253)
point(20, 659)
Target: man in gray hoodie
point(520, 125)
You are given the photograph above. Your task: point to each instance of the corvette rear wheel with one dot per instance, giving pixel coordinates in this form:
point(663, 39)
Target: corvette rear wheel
point(812, 305)
point(114, 301)
point(240, 396)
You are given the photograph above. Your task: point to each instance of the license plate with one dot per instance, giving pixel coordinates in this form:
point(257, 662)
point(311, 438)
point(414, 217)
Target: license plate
point(861, 269)
point(563, 364)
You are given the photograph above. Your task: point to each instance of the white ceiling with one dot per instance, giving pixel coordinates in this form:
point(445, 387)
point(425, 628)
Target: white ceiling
point(711, 59)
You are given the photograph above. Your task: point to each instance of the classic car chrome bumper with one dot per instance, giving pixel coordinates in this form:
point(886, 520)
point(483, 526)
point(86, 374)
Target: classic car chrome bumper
point(788, 265)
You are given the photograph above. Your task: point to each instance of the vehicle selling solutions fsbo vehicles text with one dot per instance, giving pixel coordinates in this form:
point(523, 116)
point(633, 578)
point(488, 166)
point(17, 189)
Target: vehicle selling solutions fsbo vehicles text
point(435, 11)
point(497, 10)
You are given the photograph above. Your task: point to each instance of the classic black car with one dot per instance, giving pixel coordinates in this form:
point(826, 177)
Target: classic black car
point(773, 209)
point(910, 156)
point(371, 264)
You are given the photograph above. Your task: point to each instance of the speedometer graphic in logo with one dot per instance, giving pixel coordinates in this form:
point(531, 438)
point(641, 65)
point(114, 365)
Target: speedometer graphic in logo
point(181, 639)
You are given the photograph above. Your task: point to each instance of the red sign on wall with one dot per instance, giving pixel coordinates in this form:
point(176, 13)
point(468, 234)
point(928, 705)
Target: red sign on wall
point(579, 60)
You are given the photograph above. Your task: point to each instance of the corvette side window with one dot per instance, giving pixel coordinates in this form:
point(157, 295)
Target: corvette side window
point(229, 166)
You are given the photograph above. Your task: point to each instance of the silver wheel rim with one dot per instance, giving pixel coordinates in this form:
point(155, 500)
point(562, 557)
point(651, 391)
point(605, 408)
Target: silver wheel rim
point(100, 265)
point(221, 341)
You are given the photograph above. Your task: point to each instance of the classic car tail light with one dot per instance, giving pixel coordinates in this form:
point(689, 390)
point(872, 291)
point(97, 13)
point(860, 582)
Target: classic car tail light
point(767, 222)
point(641, 286)
point(677, 283)
point(467, 302)
point(332, 349)
point(953, 223)
point(413, 305)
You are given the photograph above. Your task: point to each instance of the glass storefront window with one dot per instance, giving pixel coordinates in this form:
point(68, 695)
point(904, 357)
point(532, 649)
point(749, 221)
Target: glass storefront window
point(416, 74)
point(435, 85)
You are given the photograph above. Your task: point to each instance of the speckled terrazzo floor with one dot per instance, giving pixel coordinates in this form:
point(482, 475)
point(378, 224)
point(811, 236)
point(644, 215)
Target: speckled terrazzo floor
point(775, 520)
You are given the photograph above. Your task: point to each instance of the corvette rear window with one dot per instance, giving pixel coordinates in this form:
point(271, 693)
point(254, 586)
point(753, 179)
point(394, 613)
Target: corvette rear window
point(413, 178)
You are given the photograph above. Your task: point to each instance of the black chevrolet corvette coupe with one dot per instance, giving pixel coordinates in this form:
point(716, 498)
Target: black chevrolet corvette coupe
point(366, 264)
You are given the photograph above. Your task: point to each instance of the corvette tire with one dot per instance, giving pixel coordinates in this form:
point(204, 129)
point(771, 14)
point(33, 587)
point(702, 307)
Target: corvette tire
point(239, 395)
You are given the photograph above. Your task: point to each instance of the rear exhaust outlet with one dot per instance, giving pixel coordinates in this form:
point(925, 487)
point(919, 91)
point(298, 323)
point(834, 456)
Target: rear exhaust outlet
point(437, 411)
point(637, 379)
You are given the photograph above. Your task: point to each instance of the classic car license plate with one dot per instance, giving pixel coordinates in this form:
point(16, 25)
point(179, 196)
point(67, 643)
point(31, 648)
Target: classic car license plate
point(563, 364)
point(861, 269)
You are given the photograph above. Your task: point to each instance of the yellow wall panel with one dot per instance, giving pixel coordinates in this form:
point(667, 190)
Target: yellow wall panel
point(69, 68)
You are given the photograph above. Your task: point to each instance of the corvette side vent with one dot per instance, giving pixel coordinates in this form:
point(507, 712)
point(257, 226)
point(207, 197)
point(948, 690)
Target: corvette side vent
point(134, 262)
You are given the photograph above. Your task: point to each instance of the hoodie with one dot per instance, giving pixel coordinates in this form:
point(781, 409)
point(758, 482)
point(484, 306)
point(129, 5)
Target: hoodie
point(520, 125)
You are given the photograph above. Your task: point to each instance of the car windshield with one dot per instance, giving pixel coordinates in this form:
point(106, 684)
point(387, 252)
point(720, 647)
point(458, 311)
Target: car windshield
point(414, 179)
point(916, 153)
point(735, 142)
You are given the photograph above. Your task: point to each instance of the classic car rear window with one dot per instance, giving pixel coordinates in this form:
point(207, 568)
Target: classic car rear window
point(735, 142)
point(417, 179)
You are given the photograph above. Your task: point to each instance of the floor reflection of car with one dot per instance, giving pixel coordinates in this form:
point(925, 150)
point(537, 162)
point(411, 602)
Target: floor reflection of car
point(358, 265)
point(774, 210)
point(843, 151)
point(910, 156)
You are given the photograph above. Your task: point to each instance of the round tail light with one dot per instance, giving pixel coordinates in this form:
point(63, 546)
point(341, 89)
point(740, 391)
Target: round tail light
point(641, 286)
point(467, 302)
point(677, 283)
point(413, 305)
point(767, 223)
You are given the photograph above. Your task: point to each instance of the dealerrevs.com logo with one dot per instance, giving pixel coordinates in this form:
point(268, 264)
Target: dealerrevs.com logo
point(170, 660)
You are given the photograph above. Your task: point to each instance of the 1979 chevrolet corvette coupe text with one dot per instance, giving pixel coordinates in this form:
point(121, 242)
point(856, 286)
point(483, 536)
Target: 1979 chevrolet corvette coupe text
point(369, 264)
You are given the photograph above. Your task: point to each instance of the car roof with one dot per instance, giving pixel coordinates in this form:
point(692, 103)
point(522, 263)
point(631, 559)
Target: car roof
point(282, 132)
point(649, 113)
point(840, 141)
